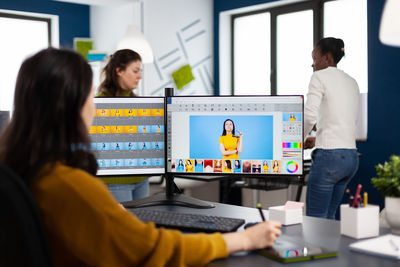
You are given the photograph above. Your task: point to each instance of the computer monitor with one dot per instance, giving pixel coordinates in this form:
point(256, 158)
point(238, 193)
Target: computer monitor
point(253, 136)
point(127, 136)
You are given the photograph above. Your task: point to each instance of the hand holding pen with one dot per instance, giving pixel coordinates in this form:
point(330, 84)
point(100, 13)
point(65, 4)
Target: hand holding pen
point(261, 212)
point(259, 235)
point(274, 228)
point(250, 224)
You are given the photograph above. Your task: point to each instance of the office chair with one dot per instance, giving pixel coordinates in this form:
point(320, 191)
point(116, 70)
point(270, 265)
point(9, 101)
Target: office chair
point(22, 234)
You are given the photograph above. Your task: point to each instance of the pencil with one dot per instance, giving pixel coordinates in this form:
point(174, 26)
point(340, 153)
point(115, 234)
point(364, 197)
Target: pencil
point(261, 213)
point(365, 199)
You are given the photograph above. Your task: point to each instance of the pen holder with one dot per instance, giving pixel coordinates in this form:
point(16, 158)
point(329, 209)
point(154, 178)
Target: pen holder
point(285, 216)
point(359, 222)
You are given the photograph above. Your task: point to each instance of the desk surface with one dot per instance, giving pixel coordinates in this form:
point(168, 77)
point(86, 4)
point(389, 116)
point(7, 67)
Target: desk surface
point(313, 231)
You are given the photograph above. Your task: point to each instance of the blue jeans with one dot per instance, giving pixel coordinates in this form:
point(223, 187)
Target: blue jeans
point(331, 171)
point(126, 192)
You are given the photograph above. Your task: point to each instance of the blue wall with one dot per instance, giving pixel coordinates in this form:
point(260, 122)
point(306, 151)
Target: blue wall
point(73, 18)
point(383, 95)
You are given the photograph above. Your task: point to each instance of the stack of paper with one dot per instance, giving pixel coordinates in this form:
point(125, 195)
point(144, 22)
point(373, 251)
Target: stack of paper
point(385, 246)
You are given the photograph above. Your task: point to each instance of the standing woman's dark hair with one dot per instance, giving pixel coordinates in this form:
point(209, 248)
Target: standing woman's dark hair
point(47, 127)
point(335, 46)
point(118, 61)
point(224, 130)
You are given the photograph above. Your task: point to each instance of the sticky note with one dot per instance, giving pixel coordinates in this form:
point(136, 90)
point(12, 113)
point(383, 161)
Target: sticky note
point(183, 76)
point(293, 205)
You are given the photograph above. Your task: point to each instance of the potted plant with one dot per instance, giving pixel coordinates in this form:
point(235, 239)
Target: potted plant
point(388, 184)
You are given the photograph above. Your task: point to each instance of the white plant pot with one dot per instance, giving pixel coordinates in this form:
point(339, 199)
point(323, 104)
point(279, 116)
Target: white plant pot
point(392, 207)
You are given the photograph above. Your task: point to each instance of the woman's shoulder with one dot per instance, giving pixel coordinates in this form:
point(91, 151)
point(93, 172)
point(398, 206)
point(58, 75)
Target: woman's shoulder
point(65, 182)
point(329, 72)
point(331, 75)
point(68, 176)
point(103, 94)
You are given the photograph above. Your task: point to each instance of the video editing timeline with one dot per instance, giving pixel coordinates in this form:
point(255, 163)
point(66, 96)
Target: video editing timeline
point(127, 136)
point(268, 135)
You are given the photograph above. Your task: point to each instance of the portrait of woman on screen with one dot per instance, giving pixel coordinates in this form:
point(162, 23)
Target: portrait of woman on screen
point(230, 144)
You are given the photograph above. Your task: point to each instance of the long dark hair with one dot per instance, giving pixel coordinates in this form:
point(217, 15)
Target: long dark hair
point(119, 60)
point(238, 161)
point(47, 127)
point(335, 46)
point(223, 127)
point(228, 164)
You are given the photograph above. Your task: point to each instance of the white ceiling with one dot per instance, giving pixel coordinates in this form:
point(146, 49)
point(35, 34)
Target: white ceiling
point(99, 2)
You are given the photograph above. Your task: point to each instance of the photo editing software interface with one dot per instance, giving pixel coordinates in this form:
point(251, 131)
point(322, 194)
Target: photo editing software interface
point(127, 136)
point(260, 135)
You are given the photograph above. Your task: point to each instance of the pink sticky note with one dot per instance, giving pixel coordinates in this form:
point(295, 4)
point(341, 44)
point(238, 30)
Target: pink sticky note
point(289, 205)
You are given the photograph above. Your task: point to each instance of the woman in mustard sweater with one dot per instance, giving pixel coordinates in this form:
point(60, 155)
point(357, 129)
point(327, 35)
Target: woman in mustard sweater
point(47, 145)
point(230, 145)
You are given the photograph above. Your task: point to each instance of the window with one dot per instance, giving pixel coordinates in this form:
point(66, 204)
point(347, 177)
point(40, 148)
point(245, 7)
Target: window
point(283, 66)
point(22, 36)
point(293, 45)
point(252, 54)
point(347, 19)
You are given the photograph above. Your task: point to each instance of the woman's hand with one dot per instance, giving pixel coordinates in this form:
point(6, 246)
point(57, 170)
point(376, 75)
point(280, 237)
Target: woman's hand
point(240, 143)
point(309, 143)
point(259, 236)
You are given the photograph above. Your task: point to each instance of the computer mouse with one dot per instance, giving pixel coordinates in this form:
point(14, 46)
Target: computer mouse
point(250, 224)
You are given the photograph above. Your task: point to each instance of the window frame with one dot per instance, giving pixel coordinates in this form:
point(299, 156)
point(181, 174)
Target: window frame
point(317, 6)
point(51, 24)
point(4, 14)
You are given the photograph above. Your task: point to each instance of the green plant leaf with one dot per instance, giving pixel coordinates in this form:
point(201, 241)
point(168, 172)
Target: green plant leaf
point(387, 181)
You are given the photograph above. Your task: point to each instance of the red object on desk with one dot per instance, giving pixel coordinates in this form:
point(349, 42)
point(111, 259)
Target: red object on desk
point(356, 196)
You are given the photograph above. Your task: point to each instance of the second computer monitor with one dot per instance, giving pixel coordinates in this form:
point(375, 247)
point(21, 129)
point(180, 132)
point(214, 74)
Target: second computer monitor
point(127, 136)
point(255, 136)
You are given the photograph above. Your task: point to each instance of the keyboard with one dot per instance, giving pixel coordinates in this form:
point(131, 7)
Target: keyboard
point(188, 222)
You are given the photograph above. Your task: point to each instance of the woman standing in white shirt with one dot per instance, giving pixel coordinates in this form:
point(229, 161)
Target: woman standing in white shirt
point(332, 104)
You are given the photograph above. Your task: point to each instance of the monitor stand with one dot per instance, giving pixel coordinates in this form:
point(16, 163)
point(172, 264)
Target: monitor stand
point(169, 198)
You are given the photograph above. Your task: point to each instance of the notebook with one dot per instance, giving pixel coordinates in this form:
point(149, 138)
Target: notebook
point(384, 246)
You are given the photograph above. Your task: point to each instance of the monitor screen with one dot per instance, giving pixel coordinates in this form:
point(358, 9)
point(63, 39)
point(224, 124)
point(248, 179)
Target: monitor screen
point(243, 135)
point(127, 135)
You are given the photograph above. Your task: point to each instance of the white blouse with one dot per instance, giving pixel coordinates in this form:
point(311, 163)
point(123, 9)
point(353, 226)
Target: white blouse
point(332, 104)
